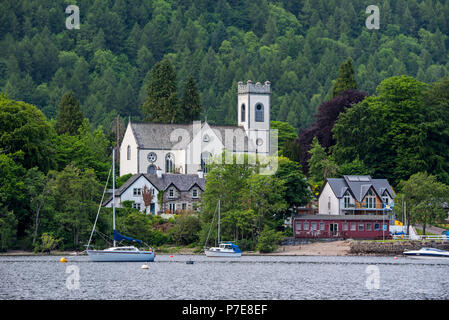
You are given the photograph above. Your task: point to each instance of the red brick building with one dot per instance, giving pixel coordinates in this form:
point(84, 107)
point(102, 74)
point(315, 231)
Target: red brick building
point(341, 226)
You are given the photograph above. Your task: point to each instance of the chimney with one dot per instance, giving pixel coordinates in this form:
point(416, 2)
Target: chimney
point(200, 174)
point(159, 172)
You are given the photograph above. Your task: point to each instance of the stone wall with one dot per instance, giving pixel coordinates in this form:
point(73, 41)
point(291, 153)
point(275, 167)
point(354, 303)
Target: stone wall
point(393, 248)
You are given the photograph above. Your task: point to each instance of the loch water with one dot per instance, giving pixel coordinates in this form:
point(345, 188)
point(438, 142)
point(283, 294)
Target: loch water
point(249, 277)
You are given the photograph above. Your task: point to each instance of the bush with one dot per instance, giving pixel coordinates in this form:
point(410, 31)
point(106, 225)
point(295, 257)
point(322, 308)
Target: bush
point(269, 240)
point(48, 243)
point(158, 238)
point(185, 229)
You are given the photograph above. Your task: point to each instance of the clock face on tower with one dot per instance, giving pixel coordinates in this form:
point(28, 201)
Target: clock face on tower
point(152, 157)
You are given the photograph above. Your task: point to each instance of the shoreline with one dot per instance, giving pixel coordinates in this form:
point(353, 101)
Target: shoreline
point(336, 248)
point(317, 248)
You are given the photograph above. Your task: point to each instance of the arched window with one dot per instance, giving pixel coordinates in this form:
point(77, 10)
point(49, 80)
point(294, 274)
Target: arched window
point(151, 169)
point(259, 112)
point(242, 113)
point(205, 161)
point(128, 155)
point(169, 163)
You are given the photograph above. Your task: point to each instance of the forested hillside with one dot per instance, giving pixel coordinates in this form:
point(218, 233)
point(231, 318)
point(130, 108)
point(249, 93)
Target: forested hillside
point(296, 44)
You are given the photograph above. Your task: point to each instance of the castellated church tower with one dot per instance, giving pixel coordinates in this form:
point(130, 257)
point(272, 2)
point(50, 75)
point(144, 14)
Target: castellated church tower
point(253, 113)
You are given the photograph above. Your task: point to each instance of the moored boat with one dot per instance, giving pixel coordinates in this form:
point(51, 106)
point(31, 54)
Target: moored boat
point(121, 254)
point(118, 254)
point(226, 249)
point(427, 253)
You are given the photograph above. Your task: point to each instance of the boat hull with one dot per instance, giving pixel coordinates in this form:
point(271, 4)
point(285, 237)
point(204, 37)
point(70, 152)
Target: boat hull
point(110, 256)
point(425, 256)
point(222, 254)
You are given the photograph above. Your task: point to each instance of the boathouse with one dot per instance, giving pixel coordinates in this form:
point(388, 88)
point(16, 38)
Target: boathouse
point(341, 226)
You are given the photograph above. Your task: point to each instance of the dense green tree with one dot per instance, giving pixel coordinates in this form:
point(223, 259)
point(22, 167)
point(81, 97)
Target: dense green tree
point(297, 191)
point(185, 229)
point(162, 103)
point(190, 103)
point(346, 78)
point(321, 166)
point(74, 199)
point(25, 134)
point(69, 116)
point(426, 199)
point(286, 134)
point(395, 132)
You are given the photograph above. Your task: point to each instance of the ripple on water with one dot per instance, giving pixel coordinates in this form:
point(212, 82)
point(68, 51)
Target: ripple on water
point(250, 277)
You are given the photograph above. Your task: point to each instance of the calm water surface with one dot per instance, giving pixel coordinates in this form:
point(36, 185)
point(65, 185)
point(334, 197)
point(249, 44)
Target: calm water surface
point(250, 277)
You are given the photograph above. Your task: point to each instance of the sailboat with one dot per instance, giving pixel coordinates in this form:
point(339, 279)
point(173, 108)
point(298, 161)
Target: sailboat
point(115, 253)
point(224, 249)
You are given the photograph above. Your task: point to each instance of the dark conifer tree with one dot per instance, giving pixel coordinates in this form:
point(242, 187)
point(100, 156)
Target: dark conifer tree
point(190, 103)
point(162, 104)
point(69, 116)
point(346, 78)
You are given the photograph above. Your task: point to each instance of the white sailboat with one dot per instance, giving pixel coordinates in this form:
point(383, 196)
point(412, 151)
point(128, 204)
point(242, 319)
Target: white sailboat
point(118, 254)
point(224, 249)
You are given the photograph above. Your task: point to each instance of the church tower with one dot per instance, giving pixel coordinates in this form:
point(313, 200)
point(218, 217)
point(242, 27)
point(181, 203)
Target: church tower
point(253, 113)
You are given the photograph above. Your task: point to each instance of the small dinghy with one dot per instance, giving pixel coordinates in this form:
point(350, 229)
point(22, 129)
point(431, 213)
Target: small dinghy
point(427, 253)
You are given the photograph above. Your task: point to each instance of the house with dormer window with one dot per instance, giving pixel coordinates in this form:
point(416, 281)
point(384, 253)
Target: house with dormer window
point(355, 195)
point(349, 207)
point(181, 192)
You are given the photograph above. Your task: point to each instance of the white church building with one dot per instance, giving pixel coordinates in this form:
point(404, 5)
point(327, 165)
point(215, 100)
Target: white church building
point(185, 148)
point(172, 158)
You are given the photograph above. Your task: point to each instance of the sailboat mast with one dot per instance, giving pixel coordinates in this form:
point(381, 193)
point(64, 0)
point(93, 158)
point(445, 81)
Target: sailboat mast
point(218, 222)
point(113, 191)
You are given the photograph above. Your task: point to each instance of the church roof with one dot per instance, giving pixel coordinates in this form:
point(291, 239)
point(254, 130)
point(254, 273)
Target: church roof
point(157, 135)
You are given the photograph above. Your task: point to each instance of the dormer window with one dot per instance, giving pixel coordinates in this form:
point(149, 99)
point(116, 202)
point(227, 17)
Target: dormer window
point(347, 200)
point(194, 193)
point(171, 193)
point(370, 199)
point(259, 112)
point(385, 198)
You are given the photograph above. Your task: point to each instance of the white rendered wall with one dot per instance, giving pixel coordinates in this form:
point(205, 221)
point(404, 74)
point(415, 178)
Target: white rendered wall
point(128, 166)
point(128, 195)
point(324, 200)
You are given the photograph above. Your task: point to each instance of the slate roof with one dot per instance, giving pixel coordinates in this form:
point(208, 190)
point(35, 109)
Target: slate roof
point(182, 182)
point(359, 186)
point(157, 135)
